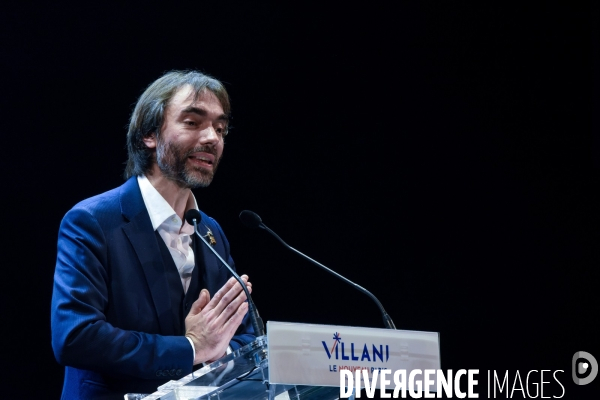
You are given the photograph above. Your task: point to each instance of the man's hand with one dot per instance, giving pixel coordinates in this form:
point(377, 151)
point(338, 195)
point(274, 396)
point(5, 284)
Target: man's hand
point(211, 324)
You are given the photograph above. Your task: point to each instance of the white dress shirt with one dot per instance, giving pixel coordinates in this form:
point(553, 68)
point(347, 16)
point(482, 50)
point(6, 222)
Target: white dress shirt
point(175, 232)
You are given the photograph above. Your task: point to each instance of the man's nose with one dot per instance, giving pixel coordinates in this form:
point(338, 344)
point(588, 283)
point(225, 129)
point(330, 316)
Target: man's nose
point(209, 135)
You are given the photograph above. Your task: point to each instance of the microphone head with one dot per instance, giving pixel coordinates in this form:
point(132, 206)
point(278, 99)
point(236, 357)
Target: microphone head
point(191, 215)
point(250, 219)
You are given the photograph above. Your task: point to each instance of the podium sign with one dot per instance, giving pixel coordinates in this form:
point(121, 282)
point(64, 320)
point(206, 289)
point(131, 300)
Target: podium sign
point(307, 354)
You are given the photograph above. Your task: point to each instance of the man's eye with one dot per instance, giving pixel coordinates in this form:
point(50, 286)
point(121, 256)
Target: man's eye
point(190, 123)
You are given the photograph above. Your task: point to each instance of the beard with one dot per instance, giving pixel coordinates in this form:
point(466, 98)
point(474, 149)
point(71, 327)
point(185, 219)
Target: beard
point(172, 161)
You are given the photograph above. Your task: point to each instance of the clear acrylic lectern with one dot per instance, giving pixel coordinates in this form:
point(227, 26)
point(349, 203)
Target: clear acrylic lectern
point(243, 374)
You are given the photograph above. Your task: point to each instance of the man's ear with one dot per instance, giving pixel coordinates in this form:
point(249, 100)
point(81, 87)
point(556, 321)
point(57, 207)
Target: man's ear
point(150, 141)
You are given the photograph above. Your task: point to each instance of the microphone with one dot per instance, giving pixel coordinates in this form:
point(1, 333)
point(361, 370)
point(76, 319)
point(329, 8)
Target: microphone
point(252, 220)
point(193, 217)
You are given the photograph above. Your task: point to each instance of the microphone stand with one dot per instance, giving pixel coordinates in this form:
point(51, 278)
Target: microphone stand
point(255, 221)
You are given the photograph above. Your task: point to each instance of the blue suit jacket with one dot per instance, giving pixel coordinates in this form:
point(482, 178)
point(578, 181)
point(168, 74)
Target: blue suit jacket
point(113, 324)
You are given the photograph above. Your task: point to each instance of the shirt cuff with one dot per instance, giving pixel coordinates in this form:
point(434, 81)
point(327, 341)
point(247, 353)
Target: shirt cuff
point(193, 348)
point(228, 351)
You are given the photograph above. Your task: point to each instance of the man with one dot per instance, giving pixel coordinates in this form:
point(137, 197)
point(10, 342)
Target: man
point(131, 305)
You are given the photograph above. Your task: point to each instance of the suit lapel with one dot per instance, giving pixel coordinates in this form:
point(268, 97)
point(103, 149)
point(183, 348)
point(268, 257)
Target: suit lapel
point(143, 240)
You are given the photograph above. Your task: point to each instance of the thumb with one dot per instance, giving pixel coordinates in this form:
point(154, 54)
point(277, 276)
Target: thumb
point(202, 301)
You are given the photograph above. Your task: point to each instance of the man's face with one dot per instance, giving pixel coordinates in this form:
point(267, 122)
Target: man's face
point(190, 145)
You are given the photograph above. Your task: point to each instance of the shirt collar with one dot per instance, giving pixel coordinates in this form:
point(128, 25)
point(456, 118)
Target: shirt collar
point(160, 210)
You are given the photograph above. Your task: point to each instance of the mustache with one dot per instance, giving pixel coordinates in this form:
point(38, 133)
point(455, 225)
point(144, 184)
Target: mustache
point(202, 149)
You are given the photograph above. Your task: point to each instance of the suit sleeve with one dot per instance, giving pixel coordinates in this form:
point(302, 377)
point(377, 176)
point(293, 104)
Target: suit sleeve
point(81, 335)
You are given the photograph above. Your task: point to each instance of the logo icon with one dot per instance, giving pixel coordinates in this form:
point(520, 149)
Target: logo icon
point(336, 339)
point(585, 368)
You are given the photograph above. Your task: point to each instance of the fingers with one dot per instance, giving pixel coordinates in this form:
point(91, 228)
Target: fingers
point(236, 319)
point(237, 304)
point(247, 282)
point(225, 303)
point(227, 300)
point(201, 302)
point(219, 295)
point(230, 289)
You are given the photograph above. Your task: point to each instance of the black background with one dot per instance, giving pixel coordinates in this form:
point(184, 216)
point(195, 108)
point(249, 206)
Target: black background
point(438, 154)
